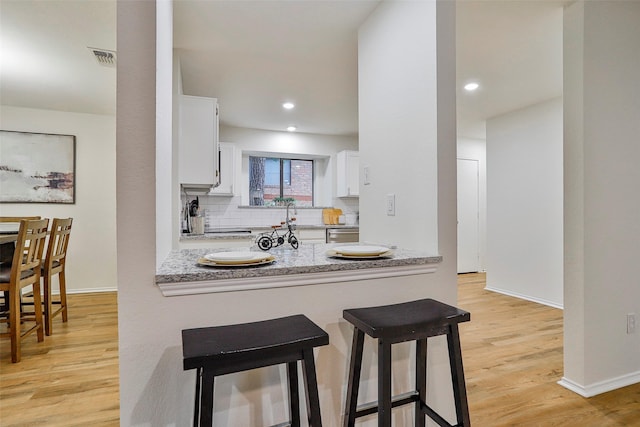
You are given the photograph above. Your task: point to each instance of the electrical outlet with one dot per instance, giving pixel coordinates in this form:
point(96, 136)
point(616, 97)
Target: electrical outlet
point(631, 323)
point(391, 204)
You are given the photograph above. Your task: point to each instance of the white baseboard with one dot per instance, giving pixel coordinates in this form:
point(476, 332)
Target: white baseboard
point(91, 290)
point(601, 386)
point(525, 297)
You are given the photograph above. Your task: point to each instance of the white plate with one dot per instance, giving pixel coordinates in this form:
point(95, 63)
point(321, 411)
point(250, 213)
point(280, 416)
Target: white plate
point(208, 263)
point(360, 250)
point(332, 253)
point(245, 256)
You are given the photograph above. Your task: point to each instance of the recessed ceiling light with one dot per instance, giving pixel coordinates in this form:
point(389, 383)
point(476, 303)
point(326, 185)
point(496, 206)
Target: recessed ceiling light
point(471, 86)
point(288, 105)
point(291, 128)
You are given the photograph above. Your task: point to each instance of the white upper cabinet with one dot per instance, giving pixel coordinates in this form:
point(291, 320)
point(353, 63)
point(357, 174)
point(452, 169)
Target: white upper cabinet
point(227, 171)
point(348, 175)
point(198, 141)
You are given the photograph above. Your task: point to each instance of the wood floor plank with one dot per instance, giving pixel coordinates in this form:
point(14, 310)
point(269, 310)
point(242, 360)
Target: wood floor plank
point(512, 352)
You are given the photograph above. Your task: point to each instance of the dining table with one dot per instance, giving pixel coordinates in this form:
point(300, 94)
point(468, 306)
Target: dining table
point(8, 237)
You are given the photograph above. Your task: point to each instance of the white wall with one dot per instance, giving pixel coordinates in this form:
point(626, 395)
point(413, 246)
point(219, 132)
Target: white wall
point(91, 263)
point(476, 149)
point(524, 203)
point(602, 207)
point(398, 127)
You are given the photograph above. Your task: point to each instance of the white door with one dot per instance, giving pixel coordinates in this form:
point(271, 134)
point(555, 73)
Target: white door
point(468, 216)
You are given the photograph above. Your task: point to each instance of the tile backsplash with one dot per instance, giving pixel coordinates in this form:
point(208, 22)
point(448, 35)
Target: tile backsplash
point(226, 212)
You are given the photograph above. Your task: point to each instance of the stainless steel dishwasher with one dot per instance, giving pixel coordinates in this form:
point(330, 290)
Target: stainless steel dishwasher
point(343, 235)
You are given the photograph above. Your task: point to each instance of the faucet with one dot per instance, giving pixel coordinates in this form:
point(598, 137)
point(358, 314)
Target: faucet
point(295, 210)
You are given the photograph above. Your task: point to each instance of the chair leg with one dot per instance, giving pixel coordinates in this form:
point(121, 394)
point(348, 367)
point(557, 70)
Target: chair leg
point(384, 383)
point(37, 311)
point(311, 388)
point(294, 395)
point(421, 381)
point(63, 294)
point(457, 376)
point(355, 367)
point(48, 305)
point(14, 325)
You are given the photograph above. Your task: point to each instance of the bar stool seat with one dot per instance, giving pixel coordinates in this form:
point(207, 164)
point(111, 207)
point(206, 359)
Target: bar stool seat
point(396, 323)
point(221, 350)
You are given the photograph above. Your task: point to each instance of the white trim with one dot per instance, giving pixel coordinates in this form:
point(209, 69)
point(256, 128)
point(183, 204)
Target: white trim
point(251, 283)
point(525, 297)
point(90, 290)
point(602, 386)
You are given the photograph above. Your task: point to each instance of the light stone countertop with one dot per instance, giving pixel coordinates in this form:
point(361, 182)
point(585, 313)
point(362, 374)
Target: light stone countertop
point(181, 265)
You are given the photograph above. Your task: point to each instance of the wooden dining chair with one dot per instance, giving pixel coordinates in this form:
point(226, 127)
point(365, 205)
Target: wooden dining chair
point(24, 271)
point(55, 262)
point(7, 249)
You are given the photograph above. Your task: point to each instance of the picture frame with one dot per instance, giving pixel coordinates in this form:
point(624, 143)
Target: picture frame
point(37, 167)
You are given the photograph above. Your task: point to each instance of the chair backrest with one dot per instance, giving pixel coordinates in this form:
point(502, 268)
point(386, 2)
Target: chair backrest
point(17, 218)
point(25, 267)
point(56, 255)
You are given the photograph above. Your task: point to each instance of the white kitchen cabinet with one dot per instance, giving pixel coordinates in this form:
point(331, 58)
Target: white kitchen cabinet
point(348, 174)
point(227, 171)
point(198, 141)
point(311, 235)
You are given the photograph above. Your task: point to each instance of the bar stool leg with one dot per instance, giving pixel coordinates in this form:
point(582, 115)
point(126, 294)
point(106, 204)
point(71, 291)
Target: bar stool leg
point(311, 388)
point(421, 381)
point(206, 399)
point(384, 383)
point(457, 376)
point(294, 396)
point(355, 367)
point(196, 409)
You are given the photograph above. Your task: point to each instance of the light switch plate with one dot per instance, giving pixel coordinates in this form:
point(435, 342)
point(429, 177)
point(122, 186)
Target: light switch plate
point(366, 173)
point(391, 204)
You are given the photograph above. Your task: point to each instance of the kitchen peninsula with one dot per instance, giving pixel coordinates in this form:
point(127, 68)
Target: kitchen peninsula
point(303, 281)
point(180, 273)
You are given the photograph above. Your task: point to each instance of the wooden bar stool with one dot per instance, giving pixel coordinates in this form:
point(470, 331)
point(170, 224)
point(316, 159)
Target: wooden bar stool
point(392, 324)
point(221, 350)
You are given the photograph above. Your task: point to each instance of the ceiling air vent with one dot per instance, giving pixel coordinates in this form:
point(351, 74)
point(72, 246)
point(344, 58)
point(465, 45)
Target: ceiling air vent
point(104, 57)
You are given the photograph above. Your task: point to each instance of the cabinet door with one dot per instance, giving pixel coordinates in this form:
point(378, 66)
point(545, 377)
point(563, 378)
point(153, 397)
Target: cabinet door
point(312, 235)
point(226, 171)
point(198, 140)
point(348, 176)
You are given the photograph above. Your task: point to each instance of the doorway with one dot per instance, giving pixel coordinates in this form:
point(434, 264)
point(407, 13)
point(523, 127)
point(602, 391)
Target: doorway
point(468, 216)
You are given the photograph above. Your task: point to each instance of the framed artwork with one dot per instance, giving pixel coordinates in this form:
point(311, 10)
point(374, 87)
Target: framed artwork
point(37, 167)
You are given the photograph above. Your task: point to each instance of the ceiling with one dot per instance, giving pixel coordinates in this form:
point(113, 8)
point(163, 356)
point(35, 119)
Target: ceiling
point(254, 55)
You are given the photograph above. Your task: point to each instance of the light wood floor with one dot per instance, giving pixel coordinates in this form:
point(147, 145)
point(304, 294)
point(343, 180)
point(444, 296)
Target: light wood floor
point(512, 354)
point(70, 379)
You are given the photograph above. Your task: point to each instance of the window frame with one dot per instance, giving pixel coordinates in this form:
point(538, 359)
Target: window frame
point(282, 160)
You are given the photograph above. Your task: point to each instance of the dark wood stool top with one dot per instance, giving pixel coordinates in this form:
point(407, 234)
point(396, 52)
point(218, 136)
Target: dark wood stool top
point(212, 346)
point(404, 319)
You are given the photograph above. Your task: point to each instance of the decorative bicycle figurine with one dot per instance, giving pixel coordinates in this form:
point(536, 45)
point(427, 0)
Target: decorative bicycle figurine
point(273, 238)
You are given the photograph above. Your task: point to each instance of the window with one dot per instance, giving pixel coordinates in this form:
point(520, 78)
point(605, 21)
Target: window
point(275, 181)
